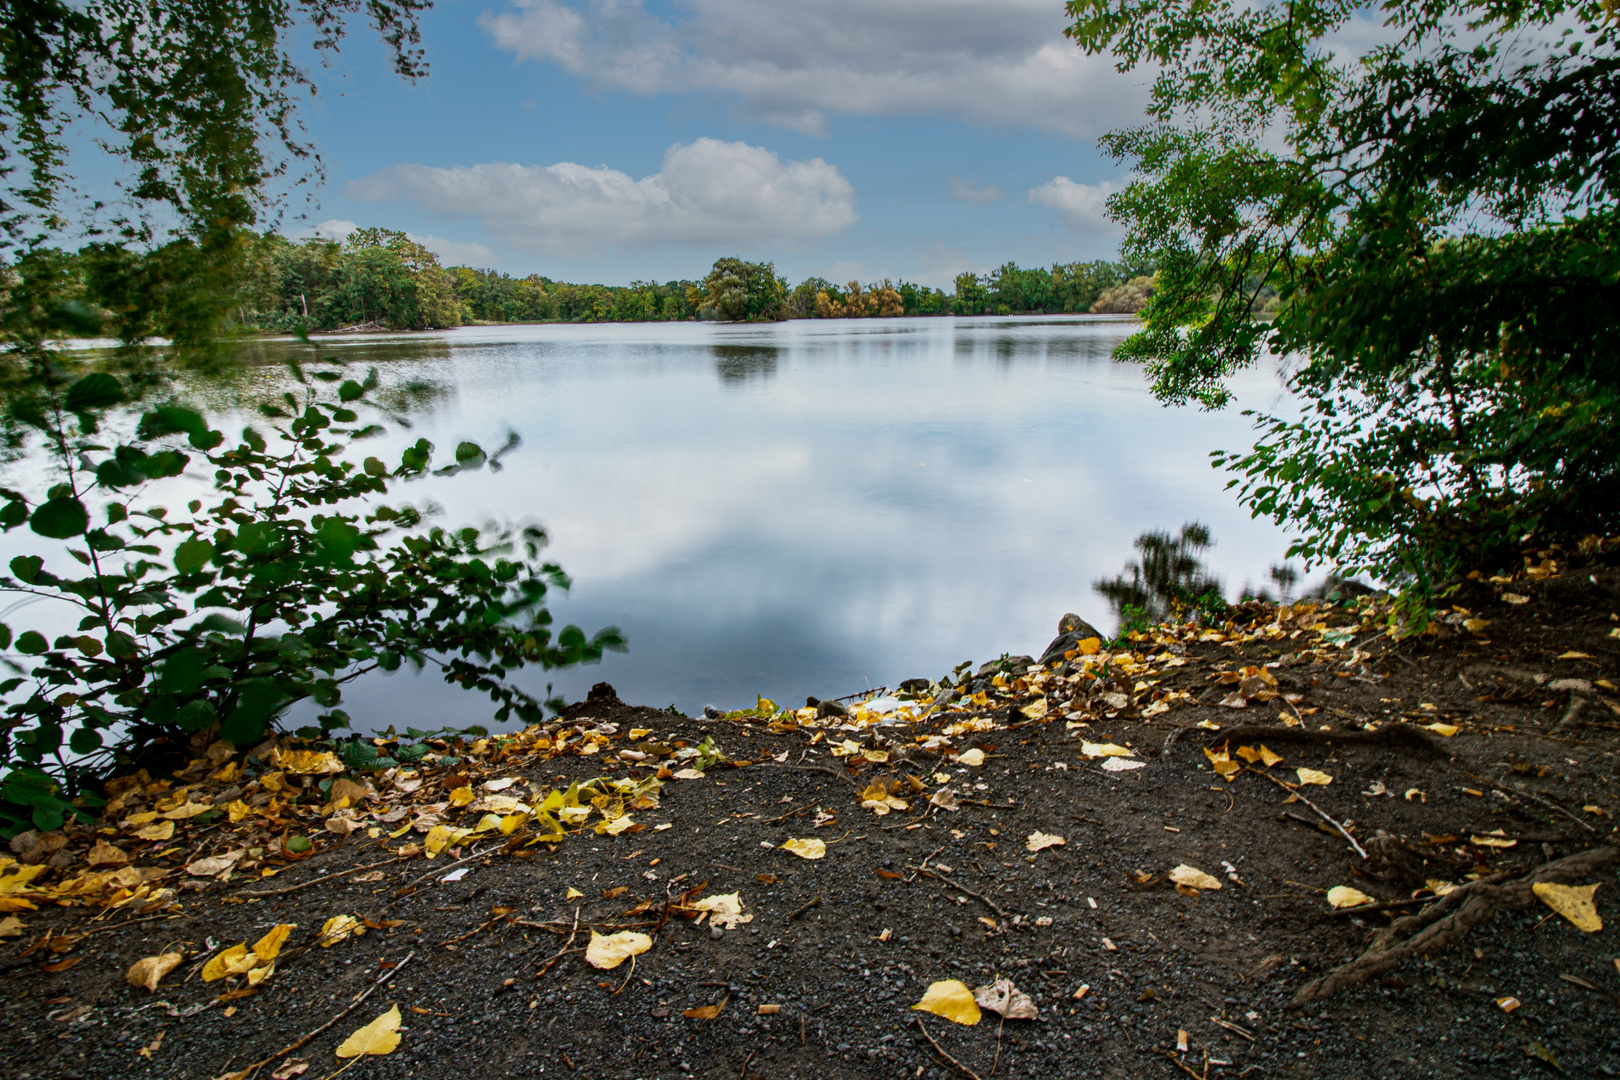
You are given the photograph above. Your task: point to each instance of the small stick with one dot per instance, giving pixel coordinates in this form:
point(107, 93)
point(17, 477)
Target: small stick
point(1536, 798)
point(402, 890)
point(328, 877)
point(1382, 905)
point(381, 979)
point(784, 817)
point(1319, 811)
point(547, 965)
point(747, 1061)
point(941, 1052)
point(957, 886)
point(997, 1060)
point(801, 910)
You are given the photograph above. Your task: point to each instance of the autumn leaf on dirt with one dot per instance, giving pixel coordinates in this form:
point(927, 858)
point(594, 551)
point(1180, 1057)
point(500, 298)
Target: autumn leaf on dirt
point(339, 927)
point(235, 960)
point(11, 927)
point(1222, 763)
point(810, 848)
point(1312, 776)
point(1344, 896)
point(310, 763)
point(1097, 750)
point(1252, 755)
point(148, 971)
point(1573, 902)
point(724, 910)
point(1005, 1000)
point(1039, 841)
point(974, 757)
point(610, 950)
point(381, 1036)
point(1193, 878)
point(706, 1012)
point(951, 999)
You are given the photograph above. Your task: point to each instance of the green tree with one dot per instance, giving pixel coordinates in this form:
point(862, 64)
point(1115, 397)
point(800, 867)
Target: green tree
point(1435, 220)
point(972, 298)
point(740, 291)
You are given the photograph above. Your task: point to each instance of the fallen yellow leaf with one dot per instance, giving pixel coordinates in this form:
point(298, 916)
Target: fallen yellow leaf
point(339, 927)
point(1344, 896)
point(974, 757)
point(572, 894)
point(233, 961)
point(148, 971)
point(610, 950)
point(1448, 730)
point(810, 848)
point(1573, 902)
point(462, 796)
point(1312, 776)
point(1193, 878)
point(163, 830)
point(1039, 841)
point(1088, 646)
point(1492, 841)
point(381, 1036)
point(269, 947)
point(951, 999)
point(310, 763)
point(1107, 749)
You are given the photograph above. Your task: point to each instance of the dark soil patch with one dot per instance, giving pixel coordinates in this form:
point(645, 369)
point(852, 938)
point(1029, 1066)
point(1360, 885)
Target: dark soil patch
point(1223, 966)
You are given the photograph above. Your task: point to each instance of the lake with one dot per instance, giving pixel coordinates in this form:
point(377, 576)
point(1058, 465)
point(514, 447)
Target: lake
point(810, 507)
point(815, 507)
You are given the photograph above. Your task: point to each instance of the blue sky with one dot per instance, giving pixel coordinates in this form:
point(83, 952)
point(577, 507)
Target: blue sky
point(610, 140)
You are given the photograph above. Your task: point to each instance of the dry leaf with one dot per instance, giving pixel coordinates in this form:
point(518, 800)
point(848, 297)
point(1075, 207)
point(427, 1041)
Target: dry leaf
point(163, 830)
point(233, 961)
point(149, 970)
point(706, 1012)
point(1006, 1000)
point(1492, 841)
point(293, 1067)
point(1035, 710)
point(105, 854)
point(688, 774)
point(1039, 841)
point(310, 763)
point(339, 927)
point(724, 910)
point(216, 865)
point(1573, 902)
point(974, 757)
point(610, 950)
point(1096, 750)
point(1312, 776)
point(11, 927)
point(462, 796)
point(381, 1036)
point(806, 849)
point(268, 947)
point(1447, 730)
point(1193, 878)
point(1344, 896)
point(1115, 764)
point(951, 999)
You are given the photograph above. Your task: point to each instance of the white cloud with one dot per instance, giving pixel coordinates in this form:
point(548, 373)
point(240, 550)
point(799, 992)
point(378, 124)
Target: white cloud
point(940, 263)
point(456, 252)
point(971, 191)
point(706, 193)
point(1083, 207)
point(1001, 64)
point(331, 229)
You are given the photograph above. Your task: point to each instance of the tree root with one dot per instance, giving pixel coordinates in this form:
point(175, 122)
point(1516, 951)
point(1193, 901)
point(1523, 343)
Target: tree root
point(1388, 735)
point(1447, 921)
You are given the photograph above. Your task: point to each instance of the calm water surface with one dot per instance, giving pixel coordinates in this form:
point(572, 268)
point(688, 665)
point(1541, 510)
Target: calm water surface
point(814, 507)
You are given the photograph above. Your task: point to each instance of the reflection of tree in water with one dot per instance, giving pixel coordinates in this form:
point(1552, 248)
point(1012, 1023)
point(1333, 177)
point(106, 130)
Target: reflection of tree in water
point(739, 363)
point(1168, 575)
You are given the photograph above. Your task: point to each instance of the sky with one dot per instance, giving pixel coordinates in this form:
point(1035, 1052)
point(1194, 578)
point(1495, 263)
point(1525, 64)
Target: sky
point(616, 140)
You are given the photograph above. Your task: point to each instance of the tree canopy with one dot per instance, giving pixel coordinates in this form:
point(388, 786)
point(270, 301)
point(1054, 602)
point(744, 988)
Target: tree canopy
point(1435, 217)
point(198, 97)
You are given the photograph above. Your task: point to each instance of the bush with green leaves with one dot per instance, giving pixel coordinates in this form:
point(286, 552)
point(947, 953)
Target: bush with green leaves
point(1427, 229)
point(290, 579)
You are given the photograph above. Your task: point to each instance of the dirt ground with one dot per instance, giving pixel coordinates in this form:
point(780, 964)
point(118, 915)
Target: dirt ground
point(490, 977)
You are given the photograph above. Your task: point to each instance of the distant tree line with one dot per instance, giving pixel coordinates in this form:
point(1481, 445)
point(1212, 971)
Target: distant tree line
point(382, 279)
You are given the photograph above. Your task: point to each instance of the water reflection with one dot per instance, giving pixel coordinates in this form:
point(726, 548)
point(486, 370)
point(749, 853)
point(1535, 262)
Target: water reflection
point(888, 499)
point(743, 363)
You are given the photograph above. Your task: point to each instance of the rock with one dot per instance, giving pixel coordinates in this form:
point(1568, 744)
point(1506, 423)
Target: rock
point(712, 712)
point(829, 709)
point(1072, 630)
point(811, 702)
point(604, 694)
point(914, 686)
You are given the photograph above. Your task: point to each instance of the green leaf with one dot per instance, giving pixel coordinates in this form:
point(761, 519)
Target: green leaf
point(196, 715)
point(95, 391)
point(191, 555)
point(258, 700)
point(26, 567)
point(60, 518)
point(184, 672)
point(350, 391)
point(32, 643)
point(13, 514)
point(85, 741)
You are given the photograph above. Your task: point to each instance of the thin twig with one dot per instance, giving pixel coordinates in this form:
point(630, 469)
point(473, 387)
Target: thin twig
point(547, 965)
point(404, 890)
point(957, 886)
point(997, 1060)
point(1319, 811)
point(1382, 905)
point(804, 908)
point(328, 877)
point(941, 1051)
point(381, 979)
point(1536, 798)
